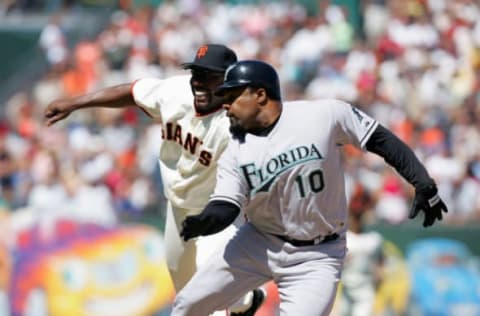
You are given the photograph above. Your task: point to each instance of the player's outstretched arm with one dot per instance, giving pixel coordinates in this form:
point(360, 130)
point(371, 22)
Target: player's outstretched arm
point(114, 97)
point(216, 216)
point(397, 154)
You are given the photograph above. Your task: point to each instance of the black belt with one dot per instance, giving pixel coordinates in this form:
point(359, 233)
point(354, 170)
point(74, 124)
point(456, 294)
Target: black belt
point(316, 241)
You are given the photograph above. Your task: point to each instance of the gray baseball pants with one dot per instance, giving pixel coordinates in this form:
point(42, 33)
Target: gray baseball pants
point(307, 277)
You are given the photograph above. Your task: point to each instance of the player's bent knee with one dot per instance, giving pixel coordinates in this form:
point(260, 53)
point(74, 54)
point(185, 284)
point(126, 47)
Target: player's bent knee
point(180, 307)
point(186, 305)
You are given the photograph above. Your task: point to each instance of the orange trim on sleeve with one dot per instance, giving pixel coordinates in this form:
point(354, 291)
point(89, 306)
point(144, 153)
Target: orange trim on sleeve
point(139, 106)
point(131, 86)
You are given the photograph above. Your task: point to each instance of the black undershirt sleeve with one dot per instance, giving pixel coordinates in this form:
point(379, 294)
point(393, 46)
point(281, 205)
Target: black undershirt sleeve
point(397, 154)
point(217, 215)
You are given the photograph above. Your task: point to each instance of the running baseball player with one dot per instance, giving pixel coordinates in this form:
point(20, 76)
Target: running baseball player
point(195, 132)
point(284, 169)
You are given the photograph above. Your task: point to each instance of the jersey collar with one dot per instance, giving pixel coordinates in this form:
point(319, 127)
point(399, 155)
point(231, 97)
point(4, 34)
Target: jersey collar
point(266, 131)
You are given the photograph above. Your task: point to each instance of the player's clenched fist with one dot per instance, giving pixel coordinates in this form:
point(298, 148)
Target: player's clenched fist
point(216, 216)
point(193, 226)
point(57, 110)
point(428, 201)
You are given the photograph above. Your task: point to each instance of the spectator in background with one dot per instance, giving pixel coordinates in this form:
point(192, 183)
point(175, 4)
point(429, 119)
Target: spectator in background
point(53, 42)
point(363, 262)
point(48, 195)
point(70, 192)
point(391, 200)
point(5, 273)
point(342, 31)
point(115, 41)
point(88, 202)
point(7, 170)
point(305, 49)
point(467, 202)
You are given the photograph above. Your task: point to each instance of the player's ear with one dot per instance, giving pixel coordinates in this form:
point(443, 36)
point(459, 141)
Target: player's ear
point(261, 95)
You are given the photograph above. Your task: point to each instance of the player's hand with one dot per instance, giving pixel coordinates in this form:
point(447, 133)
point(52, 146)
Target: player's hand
point(57, 110)
point(429, 202)
point(193, 226)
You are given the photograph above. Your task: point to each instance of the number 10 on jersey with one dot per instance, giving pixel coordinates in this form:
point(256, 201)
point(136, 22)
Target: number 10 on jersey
point(312, 182)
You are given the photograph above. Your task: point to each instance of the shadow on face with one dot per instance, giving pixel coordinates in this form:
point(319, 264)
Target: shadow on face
point(203, 84)
point(243, 105)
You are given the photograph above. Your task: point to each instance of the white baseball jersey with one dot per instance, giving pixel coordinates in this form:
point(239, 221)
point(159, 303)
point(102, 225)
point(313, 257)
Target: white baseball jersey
point(291, 182)
point(191, 144)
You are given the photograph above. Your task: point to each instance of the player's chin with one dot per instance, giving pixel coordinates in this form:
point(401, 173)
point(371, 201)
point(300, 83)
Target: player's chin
point(201, 104)
point(234, 122)
point(237, 130)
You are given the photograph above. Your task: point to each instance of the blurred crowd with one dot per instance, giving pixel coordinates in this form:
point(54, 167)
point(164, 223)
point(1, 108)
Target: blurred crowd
point(413, 65)
point(21, 6)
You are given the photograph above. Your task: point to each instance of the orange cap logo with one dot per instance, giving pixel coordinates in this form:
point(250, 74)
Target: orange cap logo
point(202, 51)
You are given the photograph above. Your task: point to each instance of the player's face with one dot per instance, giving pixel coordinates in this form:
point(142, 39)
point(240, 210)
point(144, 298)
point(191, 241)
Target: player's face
point(242, 108)
point(203, 84)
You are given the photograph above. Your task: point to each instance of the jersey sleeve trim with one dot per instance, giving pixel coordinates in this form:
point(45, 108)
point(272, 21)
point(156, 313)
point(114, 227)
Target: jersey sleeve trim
point(368, 134)
point(225, 198)
point(132, 85)
point(138, 105)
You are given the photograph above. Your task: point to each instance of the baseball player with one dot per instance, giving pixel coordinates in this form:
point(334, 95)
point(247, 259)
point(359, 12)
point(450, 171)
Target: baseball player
point(284, 169)
point(195, 132)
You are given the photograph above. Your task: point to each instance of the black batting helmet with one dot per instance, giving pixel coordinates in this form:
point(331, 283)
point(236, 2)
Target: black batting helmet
point(252, 73)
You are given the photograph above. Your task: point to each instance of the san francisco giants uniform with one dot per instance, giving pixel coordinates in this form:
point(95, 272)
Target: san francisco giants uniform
point(290, 184)
point(190, 148)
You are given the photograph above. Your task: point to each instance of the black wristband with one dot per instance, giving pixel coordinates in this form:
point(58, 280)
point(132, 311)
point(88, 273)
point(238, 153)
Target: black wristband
point(217, 215)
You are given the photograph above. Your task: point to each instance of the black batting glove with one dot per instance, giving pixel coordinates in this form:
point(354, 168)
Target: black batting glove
point(193, 226)
point(428, 201)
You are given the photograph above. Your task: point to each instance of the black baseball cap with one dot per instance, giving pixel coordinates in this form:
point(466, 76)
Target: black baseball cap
point(213, 57)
